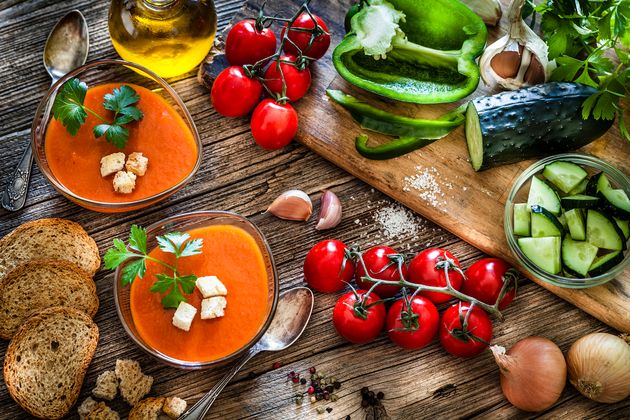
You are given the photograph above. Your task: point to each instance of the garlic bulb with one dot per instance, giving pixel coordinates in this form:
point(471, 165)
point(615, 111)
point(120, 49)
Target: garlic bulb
point(329, 211)
point(599, 367)
point(488, 10)
point(292, 205)
point(519, 58)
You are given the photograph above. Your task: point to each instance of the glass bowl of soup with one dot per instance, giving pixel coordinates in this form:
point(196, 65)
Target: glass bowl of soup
point(166, 137)
point(235, 251)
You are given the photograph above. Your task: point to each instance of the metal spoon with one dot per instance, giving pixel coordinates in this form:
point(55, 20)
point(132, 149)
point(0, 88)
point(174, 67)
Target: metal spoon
point(66, 49)
point(292, 315)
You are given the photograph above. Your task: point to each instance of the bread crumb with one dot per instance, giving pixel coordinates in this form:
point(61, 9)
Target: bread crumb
point(86, 406)
point(113, 163)
point(174, 407)
point(137, 163)
point(213, 307)
point(124, 182)
point(133, 384)
point(106, 386)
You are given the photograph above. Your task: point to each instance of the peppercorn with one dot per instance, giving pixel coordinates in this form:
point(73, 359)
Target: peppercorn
point(334, 397)
point(364, 403)
point(310, 390)
point(303, 381)
point(311, 370)
point(313, 399)
point(329, 409)
point(365, 390)
point(332, 379)
point(371, 394)
point(348, 417)
point(330, 388)
point(337, 385)
point(276, 365)
point(320, 410)
point(298, 400)
point(380, 395)
point(326, 396)
point(295, 379)
point(319, 396)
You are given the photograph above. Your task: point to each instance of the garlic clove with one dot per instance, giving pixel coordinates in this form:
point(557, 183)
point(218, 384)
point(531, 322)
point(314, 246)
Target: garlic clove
point(519, 58)
point(488, 10)
point(329, 211)
point(292, 205)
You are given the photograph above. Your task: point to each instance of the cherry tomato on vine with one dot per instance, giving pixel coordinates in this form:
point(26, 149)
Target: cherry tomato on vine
point(465, 333)
point(320, 43)
point(274, 124)
point(380, 267)
point(485, 279)
point(357, 318)
point(234, 94)
point(428, 268)
point(412, 323)
point(245, 44)
point(326, 268)
point(298, 81)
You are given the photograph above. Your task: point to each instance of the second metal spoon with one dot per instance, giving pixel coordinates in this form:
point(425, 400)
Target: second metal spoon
point(66, 49)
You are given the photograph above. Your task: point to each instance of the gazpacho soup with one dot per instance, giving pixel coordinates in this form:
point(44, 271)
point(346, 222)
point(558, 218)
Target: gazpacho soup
point(159, 150)
point(225, 311)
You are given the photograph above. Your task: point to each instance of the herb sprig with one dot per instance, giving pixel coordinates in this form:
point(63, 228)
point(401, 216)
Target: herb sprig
point(136, 256)
point(582, 37)
point(69, 109)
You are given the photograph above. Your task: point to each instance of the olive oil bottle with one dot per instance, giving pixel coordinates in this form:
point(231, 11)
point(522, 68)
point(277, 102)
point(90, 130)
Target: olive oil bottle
point(169, 37)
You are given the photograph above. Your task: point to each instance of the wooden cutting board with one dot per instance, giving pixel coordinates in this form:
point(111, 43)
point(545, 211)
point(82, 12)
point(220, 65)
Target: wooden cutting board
point(436, 181)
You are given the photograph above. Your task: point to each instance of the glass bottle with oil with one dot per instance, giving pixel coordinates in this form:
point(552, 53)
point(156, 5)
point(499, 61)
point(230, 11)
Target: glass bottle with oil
point(169, 37)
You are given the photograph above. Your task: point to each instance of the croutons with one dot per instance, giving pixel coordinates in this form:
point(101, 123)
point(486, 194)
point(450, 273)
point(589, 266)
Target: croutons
point(133, 384)
point(124, 182)
point(113, 163)
point(86, 406)
point(213, 307)
point(211, 286)
point(174, 407)
point(102, 412)
point(184, 316)
point(106, 386)
point(137, 163)
point(147, 409)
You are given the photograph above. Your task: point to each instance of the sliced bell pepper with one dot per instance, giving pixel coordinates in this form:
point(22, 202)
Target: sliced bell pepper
point(420, 51)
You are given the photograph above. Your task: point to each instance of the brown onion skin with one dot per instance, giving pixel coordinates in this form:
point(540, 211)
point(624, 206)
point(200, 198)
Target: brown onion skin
point(599, 367)
point(533, 374)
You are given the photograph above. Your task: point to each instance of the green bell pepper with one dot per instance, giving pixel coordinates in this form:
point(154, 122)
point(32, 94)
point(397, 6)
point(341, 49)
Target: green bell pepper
point(420, 51)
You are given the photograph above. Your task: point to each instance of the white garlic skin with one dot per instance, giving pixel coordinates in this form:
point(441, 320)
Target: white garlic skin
point(488, 10)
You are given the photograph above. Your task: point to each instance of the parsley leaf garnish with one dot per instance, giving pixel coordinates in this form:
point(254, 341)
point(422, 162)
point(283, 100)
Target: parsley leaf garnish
point(173, 287)
point(69, 109)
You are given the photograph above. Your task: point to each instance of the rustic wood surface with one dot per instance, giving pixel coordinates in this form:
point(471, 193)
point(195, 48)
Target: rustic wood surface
point(468, 204)
point(237, 176)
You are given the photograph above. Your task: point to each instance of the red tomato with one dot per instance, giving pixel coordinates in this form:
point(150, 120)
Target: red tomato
point(412, 323)
point(247, 45)
point(354, 328)
point(301, 39)
point(297, 81)
point(485, 278)
point(326, 268)
point(465, 333)
point(423, 270)
point(380, 267)
point(234, 94)
point(274, 124)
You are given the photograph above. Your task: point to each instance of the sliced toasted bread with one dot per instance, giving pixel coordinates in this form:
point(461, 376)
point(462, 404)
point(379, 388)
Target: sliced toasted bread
point(47, 359)
point(57, 239)
point(38, 285)
point(147, 409)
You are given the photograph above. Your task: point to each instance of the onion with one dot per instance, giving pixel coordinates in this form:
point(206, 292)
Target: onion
point(533, 373)
point(599, 367)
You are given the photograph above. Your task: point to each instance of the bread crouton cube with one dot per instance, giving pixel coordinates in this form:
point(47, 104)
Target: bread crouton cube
point(137, 163)
point(113, 163)
point(147, 409)
point(211, 286)
point(106, 386)
point(174, 407)
point(86, 406)
point(184, 316)
point(102, 412)
point(133, 384)
point(124, 182)
point(213, 307)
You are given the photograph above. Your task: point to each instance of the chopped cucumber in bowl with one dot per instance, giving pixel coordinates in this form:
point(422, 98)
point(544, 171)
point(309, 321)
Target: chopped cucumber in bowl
point(567, 220)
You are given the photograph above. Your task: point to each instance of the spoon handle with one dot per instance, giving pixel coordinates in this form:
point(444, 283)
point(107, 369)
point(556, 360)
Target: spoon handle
point(199, 410)
point(14, 194)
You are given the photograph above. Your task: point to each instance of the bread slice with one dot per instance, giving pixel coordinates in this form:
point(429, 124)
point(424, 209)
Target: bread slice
point(57, 239)
point(147, 409)
point(38, 285)
point(47, 358)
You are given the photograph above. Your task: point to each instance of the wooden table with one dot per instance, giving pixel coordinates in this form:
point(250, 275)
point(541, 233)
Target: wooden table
point(237, 176)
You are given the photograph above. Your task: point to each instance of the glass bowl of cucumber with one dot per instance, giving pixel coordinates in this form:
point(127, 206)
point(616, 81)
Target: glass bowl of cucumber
point(567, 220)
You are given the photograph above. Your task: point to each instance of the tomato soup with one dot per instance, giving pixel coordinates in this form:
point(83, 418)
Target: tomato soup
point(161, 135)
point(233, 256)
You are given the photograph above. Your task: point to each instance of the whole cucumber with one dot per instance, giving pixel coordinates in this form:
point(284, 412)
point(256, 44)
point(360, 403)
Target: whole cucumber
point(532, 122)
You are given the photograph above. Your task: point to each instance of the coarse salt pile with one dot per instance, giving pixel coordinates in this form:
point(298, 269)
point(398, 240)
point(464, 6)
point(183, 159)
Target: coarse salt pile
point(396, 221)
point(425, 182)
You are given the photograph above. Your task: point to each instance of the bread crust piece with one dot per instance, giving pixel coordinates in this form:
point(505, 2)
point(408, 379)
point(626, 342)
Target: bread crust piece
point(66, 285)
point(27, 372)
point(25, 244)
